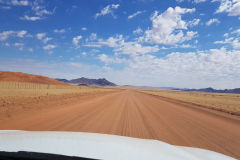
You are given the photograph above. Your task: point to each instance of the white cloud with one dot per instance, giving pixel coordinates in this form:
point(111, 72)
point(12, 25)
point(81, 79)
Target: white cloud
point(92, 45)
point(59, 31)
point(191, 69)
point(40, 36)
point(6, 34)
point(106, 59)
point(226, 35)
point(134, 48)
point(33, 18)
point(84, 28)
point(199, 1)
point(22, 33)
point(84, 53)
point(234, 42)
point(232, 7)
point(39, 10)
point(49, 47)
point(107, 10)
point(194, 22)
point(93, 36)
point(167, 28)
point(18, 44)
point(75, 40)
point(45, 40)
point(218, 68)
point(135, 14)
point(212, 21)
point(119, 45)
point(138, 31)
point(237, 31)
point(186, 46)
point(112, 41)
point(16, 2)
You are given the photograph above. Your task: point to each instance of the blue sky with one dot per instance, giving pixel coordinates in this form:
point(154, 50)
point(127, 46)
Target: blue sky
point(175, 43)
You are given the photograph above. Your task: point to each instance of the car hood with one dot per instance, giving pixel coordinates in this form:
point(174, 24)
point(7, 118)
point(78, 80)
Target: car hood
point(100, 146)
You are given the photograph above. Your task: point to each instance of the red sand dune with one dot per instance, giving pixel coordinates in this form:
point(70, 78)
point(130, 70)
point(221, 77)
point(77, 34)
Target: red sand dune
point(24, 77)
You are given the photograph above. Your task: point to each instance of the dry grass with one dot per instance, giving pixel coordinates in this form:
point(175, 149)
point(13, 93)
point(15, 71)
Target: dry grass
point(23, 97)
point(219, 101)
point(24, 90)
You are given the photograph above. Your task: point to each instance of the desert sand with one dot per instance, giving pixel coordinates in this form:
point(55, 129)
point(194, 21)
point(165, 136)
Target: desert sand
point(130, 113)
point(24, 77)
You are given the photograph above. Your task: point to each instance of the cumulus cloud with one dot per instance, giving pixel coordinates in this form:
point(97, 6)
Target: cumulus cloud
point(6, 34)
point(22, 33)
point(191, 69)
point(237, 31)
point(93, 36)
point(39, 10)
point(232, 39)
point(194, 22)
point(135, 14)
point(134, 48)
point(16, 2)
point(40, 36)
point(107, 10)
point(212, 21)
point(138, 31)
point(49, 47)
point(75, 40)
point(84, 28)
point(119, 45)
point(45, 40)
point(234, 42)
point(112, 41)
point(167, 28)
point(19, 45)
point(106, 59)
point(232, 7)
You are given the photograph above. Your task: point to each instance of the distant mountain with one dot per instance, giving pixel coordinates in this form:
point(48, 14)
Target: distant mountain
point(209, 89)
point(87, 81)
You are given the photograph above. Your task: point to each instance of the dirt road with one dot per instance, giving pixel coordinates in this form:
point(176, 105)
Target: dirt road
point(135, 114)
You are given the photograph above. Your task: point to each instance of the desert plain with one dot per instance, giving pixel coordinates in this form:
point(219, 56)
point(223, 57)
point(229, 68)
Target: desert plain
point(203, 120)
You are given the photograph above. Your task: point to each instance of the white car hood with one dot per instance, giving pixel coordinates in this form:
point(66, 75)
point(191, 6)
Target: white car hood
point(100, 146)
